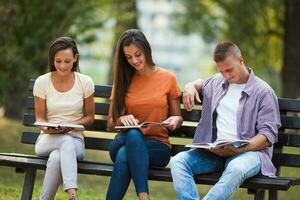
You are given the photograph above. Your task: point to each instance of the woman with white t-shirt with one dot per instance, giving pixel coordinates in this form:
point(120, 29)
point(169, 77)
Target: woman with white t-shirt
point(62, 96)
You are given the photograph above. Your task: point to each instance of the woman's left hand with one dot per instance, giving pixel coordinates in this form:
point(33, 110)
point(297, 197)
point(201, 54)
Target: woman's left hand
point(173, 122)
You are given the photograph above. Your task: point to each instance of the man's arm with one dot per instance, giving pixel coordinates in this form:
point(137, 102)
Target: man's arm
point(190, 93)
point(267, 124)
point(256, 143)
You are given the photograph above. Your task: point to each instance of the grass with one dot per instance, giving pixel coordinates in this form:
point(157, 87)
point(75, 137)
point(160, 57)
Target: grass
point(94, 187)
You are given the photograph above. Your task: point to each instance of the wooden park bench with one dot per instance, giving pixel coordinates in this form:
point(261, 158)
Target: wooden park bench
point(258, 185)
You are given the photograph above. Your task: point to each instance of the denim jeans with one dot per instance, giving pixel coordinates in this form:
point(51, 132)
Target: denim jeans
point(236, 169)
point(63, 151)
point(132, 156)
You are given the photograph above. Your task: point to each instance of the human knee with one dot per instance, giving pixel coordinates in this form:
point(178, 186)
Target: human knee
point(177, 162)
point(134, 136)
point(173, 162)
point(243, 170)
point(121, 155)
point(40, 149)
point(237, 172)
point(68, 143)
point(54, 160)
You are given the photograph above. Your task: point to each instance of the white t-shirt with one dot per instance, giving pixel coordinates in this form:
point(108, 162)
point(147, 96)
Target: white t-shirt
point(64, 106)
point(227, 112)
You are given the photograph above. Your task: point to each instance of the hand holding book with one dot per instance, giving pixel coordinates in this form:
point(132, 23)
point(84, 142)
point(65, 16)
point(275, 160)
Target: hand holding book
point(143, 125)
point(219, 144)
point(173, 122)
point(129, 121)
point(59, 125)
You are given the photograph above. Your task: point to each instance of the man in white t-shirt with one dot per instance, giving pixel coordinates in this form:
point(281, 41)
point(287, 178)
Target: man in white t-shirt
point(246, 108)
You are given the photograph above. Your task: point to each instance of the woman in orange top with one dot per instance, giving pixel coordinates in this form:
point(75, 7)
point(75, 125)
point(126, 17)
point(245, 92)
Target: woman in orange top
point(142, 92)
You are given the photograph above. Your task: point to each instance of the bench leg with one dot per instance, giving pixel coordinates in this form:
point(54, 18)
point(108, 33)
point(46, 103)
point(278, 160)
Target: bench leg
point(28, 184)
point(259, 194)
point(273, 195)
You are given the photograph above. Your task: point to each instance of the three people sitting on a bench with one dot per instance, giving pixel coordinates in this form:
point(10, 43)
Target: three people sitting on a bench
point(243, 106)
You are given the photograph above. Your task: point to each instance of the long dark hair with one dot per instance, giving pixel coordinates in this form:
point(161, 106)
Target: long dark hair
point(123, 71)
point(62, 43)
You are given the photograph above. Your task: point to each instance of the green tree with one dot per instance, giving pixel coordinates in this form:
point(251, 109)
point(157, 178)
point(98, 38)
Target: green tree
point(27, 27)
point(125, 14)
point(260, 28)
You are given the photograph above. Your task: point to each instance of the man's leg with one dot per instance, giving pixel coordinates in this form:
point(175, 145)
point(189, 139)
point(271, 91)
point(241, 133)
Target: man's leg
point(189, 163)
point(237, 169)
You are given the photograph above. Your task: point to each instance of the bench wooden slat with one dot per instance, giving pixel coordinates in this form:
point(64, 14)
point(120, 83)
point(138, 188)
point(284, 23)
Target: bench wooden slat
point(290, 122)
point(258, 182)
point(103, 91)
point(286, 159)
point(289, 105)
point(162, 174)
point(291, 140)
point(192, 116)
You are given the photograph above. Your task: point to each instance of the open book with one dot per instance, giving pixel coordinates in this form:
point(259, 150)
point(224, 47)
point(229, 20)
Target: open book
point(62, 125)
point(219, 144)
point(143, 125)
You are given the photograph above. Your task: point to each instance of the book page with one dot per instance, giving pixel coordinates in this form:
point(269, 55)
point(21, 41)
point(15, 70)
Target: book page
point(219, 144)
point(142, 125)
point(201, 145)
point(236, 143)
point(62, 125)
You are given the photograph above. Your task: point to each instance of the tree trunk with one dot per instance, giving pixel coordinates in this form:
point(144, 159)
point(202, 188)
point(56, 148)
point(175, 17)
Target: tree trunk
point(291, 63)
point(128, 9)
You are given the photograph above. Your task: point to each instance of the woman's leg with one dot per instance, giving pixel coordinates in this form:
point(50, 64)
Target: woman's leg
point(46, 145)
point(80, 153)
point(62, 163)
point(132, 161)
point(120, 178)
point(158, 156)
point(71, 150)
point(52, 178)
point(137, 159)
point(155, 154)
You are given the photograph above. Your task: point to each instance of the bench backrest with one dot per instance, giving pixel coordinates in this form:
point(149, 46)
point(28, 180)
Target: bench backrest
point(288, 137)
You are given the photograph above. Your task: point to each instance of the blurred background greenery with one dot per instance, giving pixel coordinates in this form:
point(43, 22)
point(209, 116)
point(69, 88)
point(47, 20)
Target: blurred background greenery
point(182, 34)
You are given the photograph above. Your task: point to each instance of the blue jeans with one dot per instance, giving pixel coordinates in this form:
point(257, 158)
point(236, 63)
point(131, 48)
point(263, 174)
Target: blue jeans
point(132, 156)
point(236, 169)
